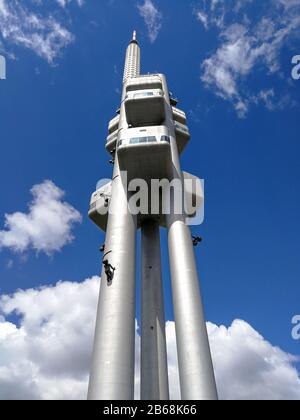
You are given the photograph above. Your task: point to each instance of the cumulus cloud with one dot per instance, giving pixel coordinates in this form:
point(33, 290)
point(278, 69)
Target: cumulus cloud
point(47, 227)
point(249, 367)
point(46, 36)
point(46, 353)
point(247, 45)
point(152, 17)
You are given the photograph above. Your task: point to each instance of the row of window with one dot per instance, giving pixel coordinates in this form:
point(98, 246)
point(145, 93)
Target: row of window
point(142, 95)
point(149, 139)
point(136, 140)
point(146, 94)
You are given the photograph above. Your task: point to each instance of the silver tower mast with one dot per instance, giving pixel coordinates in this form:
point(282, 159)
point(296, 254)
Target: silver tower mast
point(132, 60)
point(145, 140)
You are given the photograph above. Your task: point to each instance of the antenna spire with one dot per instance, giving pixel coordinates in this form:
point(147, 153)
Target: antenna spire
point(134, 35)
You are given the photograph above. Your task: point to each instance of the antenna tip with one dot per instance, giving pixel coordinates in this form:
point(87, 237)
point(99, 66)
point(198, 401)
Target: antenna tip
point(134, 35)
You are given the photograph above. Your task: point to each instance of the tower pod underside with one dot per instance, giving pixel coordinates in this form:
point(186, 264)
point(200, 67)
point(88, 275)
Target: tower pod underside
point(100, 202)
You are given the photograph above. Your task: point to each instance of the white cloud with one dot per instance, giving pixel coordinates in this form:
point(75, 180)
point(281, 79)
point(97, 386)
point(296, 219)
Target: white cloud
point(44, 35)
point(290, 3)
point(203, 18)
point(172, 361)
point(249, 367)
point(46, 354)
point(245, 46)
point(233, 60)
point(212, 13)
point(64, 3)
point(47, 226)
point(152, 17)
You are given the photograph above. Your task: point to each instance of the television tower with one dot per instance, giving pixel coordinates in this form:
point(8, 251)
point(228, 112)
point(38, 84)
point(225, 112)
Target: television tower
point(145, 141)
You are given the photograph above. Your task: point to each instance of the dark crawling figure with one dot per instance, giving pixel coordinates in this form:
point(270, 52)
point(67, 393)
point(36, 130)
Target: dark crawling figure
point(109, 271)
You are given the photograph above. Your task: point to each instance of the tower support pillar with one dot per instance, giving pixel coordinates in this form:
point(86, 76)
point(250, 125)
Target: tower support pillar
point(112, 371)
point(154, 370)
point(196, 373)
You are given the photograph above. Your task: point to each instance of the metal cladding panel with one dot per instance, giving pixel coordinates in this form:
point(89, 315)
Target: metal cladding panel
point(145, 111)
point(194, 193)
point(99, 205)
point(179, 115)
point(111, 142)
point(154, 371)
point(112, 371)
point(114, 124)
point(145, 161)
point(144, 82)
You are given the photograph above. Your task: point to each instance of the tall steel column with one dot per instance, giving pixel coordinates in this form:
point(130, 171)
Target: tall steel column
point(194, 359)
point(154, 370)
point(112, 372)
point(197, 380)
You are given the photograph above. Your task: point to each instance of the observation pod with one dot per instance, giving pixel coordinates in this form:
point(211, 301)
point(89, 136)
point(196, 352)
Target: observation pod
point(146, 155)
point(145, 107)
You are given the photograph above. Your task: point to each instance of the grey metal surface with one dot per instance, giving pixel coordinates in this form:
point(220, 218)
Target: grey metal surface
point(154, 371)
point(145, 108)
point(197, 381)
point(112, 370)
point(132, 60)
point(194, 359)
point(148, 161)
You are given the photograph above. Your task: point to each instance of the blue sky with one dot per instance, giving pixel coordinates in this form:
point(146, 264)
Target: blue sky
point(229, 63)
